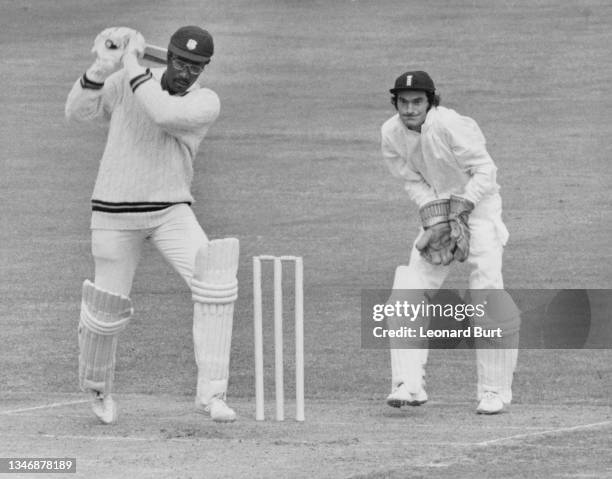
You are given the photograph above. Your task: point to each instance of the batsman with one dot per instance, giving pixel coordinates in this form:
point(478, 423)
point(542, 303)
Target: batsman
point(156, 120)
point(442, 158)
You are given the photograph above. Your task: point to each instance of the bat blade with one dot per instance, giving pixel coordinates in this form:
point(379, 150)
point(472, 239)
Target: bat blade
point(155, 54)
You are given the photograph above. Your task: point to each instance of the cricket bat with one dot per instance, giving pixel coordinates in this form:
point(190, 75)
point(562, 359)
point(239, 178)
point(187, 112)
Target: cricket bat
point(155, 54)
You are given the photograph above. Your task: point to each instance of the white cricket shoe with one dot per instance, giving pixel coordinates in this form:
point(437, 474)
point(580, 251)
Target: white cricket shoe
point(104, 407)
point(218, 410)
point(400, 396)
point(491, 403)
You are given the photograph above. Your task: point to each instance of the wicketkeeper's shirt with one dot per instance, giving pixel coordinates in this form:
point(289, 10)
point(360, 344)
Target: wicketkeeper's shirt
point(449, 156)
point(153, 139)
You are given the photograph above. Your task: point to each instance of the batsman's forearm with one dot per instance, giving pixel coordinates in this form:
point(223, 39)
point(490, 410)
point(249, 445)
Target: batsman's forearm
point(83, 104)
point(132, 66)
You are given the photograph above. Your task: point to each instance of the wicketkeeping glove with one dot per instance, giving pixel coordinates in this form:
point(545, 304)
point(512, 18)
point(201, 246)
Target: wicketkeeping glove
point(436, 244)
point(109, 47)
point(460, 210)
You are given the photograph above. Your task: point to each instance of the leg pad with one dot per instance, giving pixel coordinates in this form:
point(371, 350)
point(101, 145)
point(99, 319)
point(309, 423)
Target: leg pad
point(103, 316)
point(214, 291)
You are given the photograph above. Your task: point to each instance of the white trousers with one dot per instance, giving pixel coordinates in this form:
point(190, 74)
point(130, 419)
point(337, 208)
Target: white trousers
point(488, 237)
point(117, 252)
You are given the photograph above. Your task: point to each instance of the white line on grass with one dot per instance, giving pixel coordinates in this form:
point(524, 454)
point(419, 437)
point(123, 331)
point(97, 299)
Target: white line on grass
point(100, 438)
point(548, 432)
point(44, 406)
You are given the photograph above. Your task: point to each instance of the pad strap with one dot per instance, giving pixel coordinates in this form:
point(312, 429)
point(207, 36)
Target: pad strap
point(216, 293)
point(103, 316)
point(105, 313)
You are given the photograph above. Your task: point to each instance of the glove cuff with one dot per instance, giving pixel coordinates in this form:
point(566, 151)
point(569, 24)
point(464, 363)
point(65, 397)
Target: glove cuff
point(434, 212)
point(459, 206)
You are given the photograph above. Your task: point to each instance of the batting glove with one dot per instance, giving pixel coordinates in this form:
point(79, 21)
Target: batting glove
point(109, 47)
point(135, 45)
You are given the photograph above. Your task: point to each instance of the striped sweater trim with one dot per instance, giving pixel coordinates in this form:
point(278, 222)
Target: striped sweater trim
point(132, 207)
point(90, 84)
point(140, 79)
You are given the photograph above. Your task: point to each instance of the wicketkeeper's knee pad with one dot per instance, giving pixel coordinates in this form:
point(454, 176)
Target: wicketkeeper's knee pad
point(214, 291)
point(103, 316)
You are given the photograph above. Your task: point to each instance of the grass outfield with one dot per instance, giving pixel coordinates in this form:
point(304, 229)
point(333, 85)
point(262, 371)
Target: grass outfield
point(293, 166)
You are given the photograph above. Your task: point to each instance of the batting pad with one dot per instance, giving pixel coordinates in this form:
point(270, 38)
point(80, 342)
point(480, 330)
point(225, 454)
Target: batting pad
point(496, 358)
point(103, 316)
point(214, 290)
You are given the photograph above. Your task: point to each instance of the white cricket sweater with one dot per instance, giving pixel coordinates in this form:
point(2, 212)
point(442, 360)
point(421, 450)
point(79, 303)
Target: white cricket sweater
point(449, 156)
point(153, 139)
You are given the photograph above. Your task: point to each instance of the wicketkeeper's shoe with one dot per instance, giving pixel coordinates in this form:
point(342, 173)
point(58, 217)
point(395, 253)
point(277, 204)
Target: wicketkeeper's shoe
point(491, 403)
point(104, 407)
point(400, 396)
point(218, 410)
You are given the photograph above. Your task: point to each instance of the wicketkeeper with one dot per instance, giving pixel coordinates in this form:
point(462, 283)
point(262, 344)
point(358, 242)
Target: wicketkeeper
point(156, 120)
point(449, 174)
